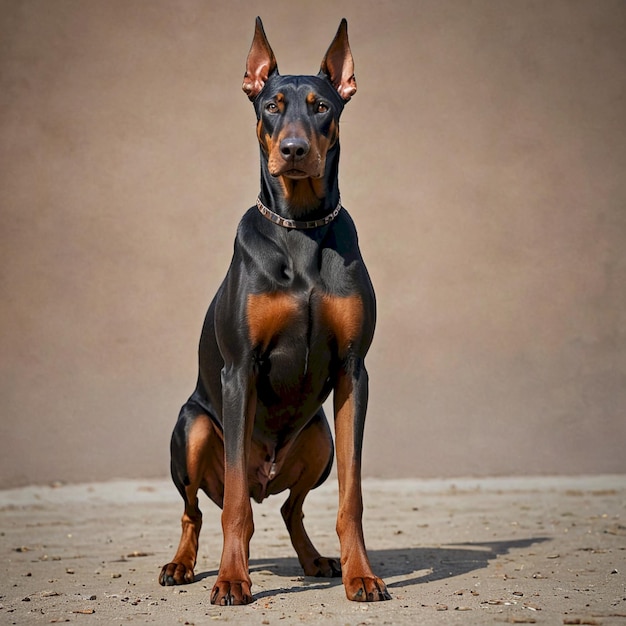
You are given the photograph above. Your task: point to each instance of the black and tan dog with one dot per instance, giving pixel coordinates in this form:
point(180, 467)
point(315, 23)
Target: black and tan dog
point(292, 321)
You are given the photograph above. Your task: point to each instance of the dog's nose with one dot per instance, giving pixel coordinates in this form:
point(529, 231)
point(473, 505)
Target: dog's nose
point(294, 148)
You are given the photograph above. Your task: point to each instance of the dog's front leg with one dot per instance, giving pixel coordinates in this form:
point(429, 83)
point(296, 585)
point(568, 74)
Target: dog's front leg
point(350, 403)
point(239, 405)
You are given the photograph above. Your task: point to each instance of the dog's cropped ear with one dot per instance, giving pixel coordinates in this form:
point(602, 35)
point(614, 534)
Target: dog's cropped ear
point(338, 64)
point(261, 62)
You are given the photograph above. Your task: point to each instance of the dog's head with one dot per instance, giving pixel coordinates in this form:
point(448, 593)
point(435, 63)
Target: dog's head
point(298, 116)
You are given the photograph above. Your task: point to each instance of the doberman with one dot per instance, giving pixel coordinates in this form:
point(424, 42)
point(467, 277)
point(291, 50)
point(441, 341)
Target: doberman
point(292, 321)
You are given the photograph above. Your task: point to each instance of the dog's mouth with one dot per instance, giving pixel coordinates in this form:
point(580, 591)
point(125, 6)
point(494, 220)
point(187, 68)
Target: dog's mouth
point(296, 169)
point(295, 173)
point(292, 172)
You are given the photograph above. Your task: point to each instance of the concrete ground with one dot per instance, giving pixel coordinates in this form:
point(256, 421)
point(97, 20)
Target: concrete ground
point(522, 551)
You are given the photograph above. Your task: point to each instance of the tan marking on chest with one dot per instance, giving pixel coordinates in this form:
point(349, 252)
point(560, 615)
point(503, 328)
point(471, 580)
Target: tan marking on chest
point(268, 315)
point(344, 316)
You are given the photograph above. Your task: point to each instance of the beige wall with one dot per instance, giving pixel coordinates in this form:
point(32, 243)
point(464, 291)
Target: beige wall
point(483, 161)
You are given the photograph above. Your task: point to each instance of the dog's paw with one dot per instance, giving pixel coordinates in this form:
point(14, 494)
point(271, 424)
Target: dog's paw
point(175, 574)
point(324, 567)
point(231, 593)
point(366, 589)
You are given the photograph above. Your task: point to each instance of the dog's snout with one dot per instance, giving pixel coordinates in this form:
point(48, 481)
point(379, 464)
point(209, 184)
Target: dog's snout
point(294, 148)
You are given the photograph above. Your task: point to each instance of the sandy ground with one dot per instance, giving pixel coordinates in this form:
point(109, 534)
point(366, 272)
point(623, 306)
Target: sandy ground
point(544, 551)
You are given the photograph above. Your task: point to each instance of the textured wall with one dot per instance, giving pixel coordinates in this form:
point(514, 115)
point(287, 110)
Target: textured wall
point(483, 161)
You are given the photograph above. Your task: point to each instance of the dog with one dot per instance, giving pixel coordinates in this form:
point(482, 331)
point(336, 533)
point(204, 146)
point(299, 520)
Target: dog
point(292, 322)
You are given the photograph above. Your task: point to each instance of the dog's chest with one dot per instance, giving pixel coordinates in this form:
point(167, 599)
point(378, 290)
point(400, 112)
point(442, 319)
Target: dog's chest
point(304, 320)
point(299, 339)
point(296, 321)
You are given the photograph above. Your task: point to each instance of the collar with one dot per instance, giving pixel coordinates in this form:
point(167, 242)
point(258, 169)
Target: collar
point(281, 221)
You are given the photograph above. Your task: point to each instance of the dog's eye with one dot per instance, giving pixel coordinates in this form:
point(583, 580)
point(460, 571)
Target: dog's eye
point(271, 107)
point(322, 107)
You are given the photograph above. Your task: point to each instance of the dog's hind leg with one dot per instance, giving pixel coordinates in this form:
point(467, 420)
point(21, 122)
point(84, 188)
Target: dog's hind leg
point(307, 466)
point(197, 458)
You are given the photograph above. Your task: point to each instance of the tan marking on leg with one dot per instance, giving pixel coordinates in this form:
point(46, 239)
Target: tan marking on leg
point(303, 469)
point(233, 584)
point(204, 448)
point(198, 438)
point(359, 581)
